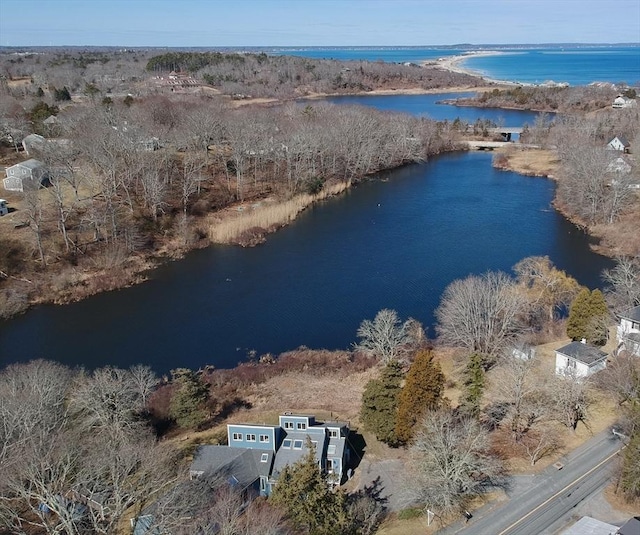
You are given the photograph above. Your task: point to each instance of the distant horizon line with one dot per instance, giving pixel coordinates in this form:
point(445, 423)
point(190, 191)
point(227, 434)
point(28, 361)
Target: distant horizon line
point(330, 47)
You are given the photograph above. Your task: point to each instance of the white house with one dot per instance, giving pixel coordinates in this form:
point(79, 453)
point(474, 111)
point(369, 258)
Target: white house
point(623, 102)
point(578, 359)
point(29, 174)
point(628, 331)
point(619, 143)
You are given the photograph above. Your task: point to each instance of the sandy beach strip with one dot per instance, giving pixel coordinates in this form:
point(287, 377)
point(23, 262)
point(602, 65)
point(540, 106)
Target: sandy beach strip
point(456, 64)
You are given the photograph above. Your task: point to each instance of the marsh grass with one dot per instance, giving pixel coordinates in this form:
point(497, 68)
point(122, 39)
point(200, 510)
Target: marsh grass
point(266, 217)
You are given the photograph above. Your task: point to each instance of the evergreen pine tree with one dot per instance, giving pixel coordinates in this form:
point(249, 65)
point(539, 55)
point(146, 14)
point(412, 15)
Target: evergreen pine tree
point(303, 492)
point(579, 315)
point(422, 392)
point(588, 317)
point(597, 328)
point(474, 386)
point(380, 403)
point(187, 406)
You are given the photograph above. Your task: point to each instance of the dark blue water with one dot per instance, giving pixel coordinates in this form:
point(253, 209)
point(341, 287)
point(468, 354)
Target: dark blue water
point(427, 106)
point(574, 65)
point(392, 243)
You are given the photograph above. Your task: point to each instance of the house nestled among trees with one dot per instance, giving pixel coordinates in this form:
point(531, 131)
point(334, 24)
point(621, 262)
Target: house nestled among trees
point(629, 331)
point(26, 175)
point(579, 359)
point(256, 454)
point(623, 102)
point(619, 143)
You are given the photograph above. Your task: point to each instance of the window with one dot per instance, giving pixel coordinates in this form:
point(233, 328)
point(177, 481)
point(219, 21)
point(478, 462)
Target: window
point(263, 484)
point(286, 443)
point(288, 425)
point(297, 444)
point(302, 425)
point(331, 449)
point(237, 436)
point(329, 465)
point(264, 457)
point(571, 363)
point(251, 437)
point(264, 438)
point(333, 433)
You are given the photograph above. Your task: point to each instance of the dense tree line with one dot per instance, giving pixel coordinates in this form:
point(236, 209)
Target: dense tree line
point(75, 450)
point(551, 99)
point(254, 74)
point(261, 75)
point(111, 196)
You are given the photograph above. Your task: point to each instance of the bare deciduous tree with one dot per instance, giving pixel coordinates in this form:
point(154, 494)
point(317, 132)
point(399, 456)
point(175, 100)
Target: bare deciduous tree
point(571, 398)
point(385, 337)
point(540, 443)
point(624, 283)
point(517, 385)
point(450, 463)
point(32, 404)
point(145, 381)
point(481, 314)
point(107, 400)
point(621, 378)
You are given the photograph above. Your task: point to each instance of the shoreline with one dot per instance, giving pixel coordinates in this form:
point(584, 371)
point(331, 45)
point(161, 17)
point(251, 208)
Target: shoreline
point(456, 64)
point(486, 86)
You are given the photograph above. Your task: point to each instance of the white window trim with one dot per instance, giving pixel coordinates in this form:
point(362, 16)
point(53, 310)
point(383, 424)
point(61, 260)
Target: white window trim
point(251, 437)
point(237, 436)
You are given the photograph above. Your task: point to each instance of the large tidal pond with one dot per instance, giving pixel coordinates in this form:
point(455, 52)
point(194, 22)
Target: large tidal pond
point(393, 242)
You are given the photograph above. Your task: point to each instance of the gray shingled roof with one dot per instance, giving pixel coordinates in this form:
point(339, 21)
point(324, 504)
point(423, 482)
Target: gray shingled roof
point(31, 164)
point(632, 314)
point(240, 466)
point(582, 352)
point(631, 527)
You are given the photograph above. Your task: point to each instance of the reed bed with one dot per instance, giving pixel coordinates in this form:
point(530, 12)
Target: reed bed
point(266, 217)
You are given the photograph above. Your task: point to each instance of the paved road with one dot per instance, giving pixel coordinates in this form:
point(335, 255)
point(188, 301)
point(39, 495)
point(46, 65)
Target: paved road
point(551, 495)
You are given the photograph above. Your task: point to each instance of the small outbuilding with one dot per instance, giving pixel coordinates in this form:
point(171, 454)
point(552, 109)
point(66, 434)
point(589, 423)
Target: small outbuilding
point(579, 359)
point(31, 174)
point(33, 142)
point(4, 209)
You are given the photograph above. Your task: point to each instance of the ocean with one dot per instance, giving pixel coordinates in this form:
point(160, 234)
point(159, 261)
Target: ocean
point(575, 65)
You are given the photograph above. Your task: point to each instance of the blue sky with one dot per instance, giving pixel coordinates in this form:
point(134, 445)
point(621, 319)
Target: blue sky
point(315, 22)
